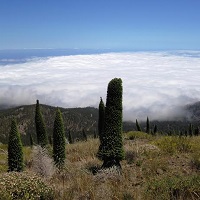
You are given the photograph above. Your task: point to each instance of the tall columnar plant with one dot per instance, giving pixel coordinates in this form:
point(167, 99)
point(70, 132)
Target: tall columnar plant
point(59, 140)
point(190, 129)
point(101, 119)
point(111, 147)
point(138, 126)
point(42, 138)
point(155, 129)
point(147, 126)
point(15, 152)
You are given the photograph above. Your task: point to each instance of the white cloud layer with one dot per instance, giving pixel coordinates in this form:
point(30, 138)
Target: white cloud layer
point(156, 84)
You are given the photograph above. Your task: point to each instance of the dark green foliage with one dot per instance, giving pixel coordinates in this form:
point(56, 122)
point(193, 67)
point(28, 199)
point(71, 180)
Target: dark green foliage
point(70, 137)
point(138, 126)
point(59, 140)
point(155, 129)
point(147, 126)
point(15, 152)
point(196, 131)
point(101, 119)
point(40, 127)
point(190, 131)
point(111, 147)
point(84, 135)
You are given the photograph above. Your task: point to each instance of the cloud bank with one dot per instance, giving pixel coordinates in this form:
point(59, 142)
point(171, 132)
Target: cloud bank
point(156, 84)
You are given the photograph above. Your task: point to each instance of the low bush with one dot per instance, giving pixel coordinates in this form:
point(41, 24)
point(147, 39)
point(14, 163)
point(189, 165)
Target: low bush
point(23, 186)
point(173, 144)
point(137, 135)
point(177, 188)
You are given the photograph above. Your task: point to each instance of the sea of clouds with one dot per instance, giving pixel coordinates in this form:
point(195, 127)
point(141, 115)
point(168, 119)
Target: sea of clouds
point(155, 84)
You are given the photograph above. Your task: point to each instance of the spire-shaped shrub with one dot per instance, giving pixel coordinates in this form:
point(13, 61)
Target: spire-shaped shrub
point(147, 126)
point(15, 152)
point(101, 119)
point(111, 147)
point(59, 140)
point(138, 126)
point(40, 127)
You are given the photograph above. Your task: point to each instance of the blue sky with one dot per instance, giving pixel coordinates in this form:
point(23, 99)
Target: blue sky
point(99, 24)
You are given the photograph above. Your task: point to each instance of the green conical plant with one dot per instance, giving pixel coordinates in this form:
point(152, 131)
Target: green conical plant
point(190, 131)
point(155, 129)
point(101, 119)
point(138, 126)
point(59, 140)
point(111, 148)
point(147, 126)
point(196, 131)
point(40, 127)
point(70, 138)
point(15, 152)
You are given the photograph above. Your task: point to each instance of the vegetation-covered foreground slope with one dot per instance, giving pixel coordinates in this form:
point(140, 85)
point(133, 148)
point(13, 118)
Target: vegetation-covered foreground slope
point(155, 167)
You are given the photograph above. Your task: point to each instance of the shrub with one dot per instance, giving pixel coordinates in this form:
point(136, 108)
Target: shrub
point(137, 135)
point(23, 186)
point(15, 153)
point(59, 140)
point(111, 147)
point(179, 187)
point(42, 164)
point(40, 126)
point(173, 144)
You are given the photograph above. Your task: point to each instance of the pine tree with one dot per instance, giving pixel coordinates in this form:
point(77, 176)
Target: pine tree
point(101, 119)
point(138, 126)
point(40, 127)
point(15, 152)
point(111, 147)
point(59, 140)
point(147, 126)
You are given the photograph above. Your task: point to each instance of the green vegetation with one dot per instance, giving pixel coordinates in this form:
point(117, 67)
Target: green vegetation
point(101, 120)
point(23, 186)
point(147, 126)
point(178, 187)
point(15, 153)
point(111, 147)
point(138, 126)
point(59, 140)
point(42, 138)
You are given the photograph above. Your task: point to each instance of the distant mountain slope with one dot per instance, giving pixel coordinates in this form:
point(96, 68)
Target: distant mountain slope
point(75, 119)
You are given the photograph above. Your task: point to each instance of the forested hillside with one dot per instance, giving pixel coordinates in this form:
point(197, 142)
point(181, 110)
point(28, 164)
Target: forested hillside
point(75, 120)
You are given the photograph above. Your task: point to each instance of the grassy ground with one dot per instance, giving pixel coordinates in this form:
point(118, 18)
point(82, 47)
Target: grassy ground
point(155, 167)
